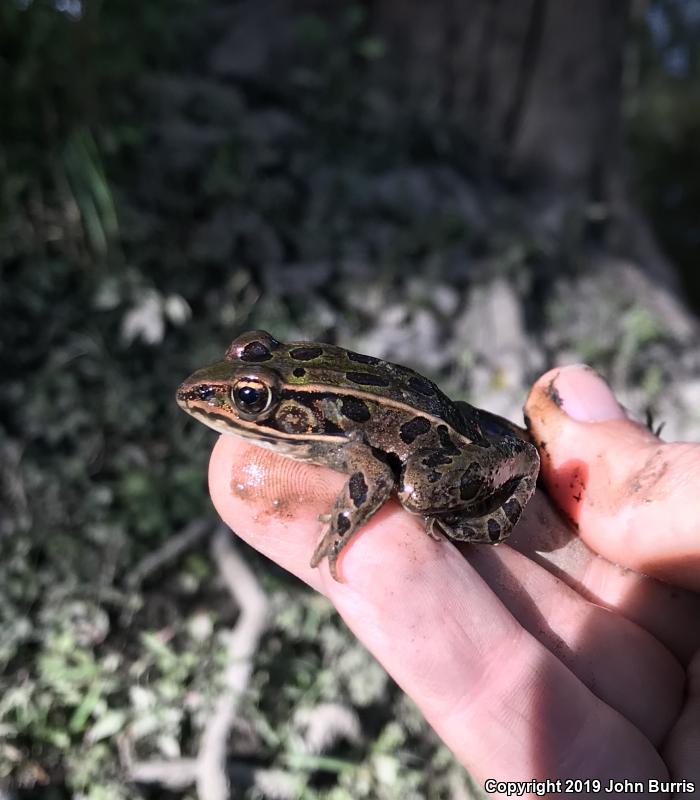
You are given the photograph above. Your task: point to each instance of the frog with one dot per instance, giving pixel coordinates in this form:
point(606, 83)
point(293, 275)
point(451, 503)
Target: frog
point(468, 472)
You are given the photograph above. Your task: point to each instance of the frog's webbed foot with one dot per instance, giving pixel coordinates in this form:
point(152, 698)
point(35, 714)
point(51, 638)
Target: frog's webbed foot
point(369, 486)
point(495, 523)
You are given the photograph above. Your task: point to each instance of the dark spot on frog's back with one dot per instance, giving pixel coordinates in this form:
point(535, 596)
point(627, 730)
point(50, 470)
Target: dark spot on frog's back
point(494, 530)
point(421, 385)
point(445, 441)
point(414, 428)
point(360, 359)
point(357, 486)
point(355, 409)
point(255, 352)
point(305, 353)
point(366, 379)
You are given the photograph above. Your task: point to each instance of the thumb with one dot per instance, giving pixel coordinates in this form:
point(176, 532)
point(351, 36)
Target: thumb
point(634, 499)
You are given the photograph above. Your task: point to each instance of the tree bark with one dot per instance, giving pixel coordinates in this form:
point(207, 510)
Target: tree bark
point(535, 88)
point(536, 83)
point(530, 90)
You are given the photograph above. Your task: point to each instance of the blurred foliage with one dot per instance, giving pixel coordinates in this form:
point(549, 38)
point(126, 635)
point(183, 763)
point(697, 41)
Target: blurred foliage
point(111, 234)
point(135, 194)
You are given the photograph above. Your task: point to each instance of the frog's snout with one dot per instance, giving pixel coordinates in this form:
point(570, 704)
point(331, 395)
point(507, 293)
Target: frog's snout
point(189, 392)
point(185, 394)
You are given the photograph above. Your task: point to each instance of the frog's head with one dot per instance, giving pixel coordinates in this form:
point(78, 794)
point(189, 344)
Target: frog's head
point(245, 395)
point(235, 395)
point(226, 396)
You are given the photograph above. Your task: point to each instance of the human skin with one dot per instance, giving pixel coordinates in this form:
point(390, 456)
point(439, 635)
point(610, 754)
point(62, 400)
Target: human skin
point(552, 656)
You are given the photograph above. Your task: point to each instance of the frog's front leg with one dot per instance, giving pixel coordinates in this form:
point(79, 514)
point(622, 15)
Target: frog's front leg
point(473, 492)
point(369, 486)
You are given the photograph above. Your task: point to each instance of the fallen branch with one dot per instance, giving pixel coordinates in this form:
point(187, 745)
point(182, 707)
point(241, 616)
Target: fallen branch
point(209, 771)
point(178, 774)
point(175, 774)
point(172, 549)
point(212, 780)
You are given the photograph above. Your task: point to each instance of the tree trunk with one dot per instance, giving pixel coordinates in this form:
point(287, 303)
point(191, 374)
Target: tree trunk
point(535, 87)
point(530, 90)
point(536, 83)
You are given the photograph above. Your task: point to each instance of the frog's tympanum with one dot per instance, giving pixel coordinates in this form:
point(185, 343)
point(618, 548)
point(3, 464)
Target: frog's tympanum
point(469, 473)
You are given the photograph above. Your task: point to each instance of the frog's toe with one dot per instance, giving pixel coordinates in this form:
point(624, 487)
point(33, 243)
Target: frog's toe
point(329, 545)
point(432, 528)
point(333, 566)
point(320, 552)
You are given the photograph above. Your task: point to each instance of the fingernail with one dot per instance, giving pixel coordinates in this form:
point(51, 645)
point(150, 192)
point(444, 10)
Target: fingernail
point(582, 394)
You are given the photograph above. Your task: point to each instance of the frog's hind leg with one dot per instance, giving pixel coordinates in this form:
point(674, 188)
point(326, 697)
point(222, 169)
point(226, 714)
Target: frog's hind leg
point(489, 524)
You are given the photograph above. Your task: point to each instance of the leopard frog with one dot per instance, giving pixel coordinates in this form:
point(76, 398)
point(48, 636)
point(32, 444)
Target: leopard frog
point(468, 472)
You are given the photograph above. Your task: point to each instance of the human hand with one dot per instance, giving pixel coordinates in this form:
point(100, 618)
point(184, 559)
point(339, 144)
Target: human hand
point(541, 658)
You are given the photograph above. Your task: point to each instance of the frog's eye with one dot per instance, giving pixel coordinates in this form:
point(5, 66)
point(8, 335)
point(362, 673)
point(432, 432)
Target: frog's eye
point(251, 396)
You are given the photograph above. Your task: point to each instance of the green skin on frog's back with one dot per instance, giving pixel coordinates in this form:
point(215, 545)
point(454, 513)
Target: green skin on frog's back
point(468, 472)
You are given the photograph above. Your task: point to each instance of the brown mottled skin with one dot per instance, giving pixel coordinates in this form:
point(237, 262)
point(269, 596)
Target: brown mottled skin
point(468, 472)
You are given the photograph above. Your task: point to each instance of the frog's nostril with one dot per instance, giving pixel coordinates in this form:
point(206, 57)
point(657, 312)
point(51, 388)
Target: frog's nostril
point(186, 393)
